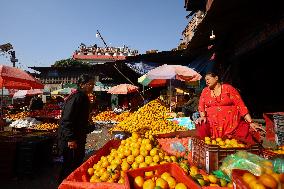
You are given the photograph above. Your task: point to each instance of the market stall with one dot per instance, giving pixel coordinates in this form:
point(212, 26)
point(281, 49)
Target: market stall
point(160, 152)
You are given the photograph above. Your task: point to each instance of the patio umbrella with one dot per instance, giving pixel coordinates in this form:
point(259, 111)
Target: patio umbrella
point(169, 72)
point(123, 89)
point(145, 81)
point(24, 93)
point(14, 78)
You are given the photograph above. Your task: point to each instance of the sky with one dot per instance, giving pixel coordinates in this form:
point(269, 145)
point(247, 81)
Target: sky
point(44, 31)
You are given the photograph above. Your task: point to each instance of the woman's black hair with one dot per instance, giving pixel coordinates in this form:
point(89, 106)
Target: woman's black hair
point(212, 73)
point(84, 79)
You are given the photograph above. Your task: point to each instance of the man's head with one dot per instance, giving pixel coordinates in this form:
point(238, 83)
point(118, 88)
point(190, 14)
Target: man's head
point(86, 83)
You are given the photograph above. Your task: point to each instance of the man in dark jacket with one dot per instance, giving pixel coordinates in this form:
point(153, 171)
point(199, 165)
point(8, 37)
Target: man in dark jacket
point(73, 126)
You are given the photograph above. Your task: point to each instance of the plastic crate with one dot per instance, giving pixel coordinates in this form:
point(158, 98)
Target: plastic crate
point(77, 179)
point(210, 157)
point(171, 168)
point(274, 127)
point(268, 154)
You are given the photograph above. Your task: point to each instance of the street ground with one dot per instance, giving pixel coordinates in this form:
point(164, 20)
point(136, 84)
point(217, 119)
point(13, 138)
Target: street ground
point(46, 176)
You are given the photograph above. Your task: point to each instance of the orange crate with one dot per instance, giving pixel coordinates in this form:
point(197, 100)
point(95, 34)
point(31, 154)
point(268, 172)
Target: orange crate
point(172, 168)
point(268, 154)
point(78, 179)
point(210, 157)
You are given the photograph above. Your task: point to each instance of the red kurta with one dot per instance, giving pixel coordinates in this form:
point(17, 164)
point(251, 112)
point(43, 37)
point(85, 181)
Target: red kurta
point(225, 113)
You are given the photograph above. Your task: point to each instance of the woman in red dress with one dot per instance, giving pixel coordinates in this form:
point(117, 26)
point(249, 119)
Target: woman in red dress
point(223, 113)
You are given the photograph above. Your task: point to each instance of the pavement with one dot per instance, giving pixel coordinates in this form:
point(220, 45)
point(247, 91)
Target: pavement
point(46, 176)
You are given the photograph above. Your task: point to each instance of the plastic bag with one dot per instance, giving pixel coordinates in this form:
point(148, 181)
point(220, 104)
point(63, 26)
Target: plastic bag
point(177, 146)
point(278, 165)
point(245, 161)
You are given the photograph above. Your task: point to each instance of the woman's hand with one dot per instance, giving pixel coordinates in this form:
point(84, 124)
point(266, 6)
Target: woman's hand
point(256, 127)
point(199, 120)
point(72, 144)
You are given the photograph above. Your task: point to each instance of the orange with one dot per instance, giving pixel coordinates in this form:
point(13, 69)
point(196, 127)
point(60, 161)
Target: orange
point(162, 183)
point(156, 158)
point(127, 152)
point(248, 177)
point(154, 152)
point(91, 171)
point(180, 186)
point(212, 179)
point(149, 184)
point(94, 178)
point(125, 166)
point(143, 164)
point(149, 173)
point(130, 159)
point(135, 165)
point(135, 152)
point(138, 181)
point(139, 159)
point(171, 181)
point(268, 181)
point(148, 160)
point(259, 186)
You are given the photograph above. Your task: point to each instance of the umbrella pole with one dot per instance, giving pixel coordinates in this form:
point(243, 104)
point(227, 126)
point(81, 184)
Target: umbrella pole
point(1, 102)
point(170, 95)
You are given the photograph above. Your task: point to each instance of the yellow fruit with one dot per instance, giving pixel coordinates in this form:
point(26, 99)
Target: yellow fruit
point(156, 158)
point(248, 177)
point(148, 160)
point(138, 181)
point(172, 182)
point(135, 165)
point(130, 159)
point(174, 158)
point(91, 171)
point(135, 152)
point(180, 186)
point(94, 178)
point(139, 159)
point(268, 181)
point(213, 142)
point(121, 181)
point(162, 183)
point(143, 152)
point(207, 139)
point(212, 179)
point(218, 139)
point(153, 164)
point(165, 175)
point(149, 184)
point(154, 152)
point(149, 173)
point(143, 164)
point(125, 166)
point(230, 185)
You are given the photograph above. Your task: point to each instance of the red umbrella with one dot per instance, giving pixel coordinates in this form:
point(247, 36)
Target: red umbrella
point(123, 89)
point(14, 78)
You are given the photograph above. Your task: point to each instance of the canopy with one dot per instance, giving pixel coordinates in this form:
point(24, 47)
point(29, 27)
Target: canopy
point(24, 93)
point(123, 89)
point(14, 78)
point(179, 72)
point(63, 91)
point(143, 80)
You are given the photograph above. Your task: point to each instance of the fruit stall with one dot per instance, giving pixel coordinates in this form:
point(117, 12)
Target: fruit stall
point(28, 142)
point(161, 153)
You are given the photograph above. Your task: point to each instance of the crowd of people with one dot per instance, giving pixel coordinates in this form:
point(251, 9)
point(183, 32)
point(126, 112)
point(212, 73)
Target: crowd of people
point(114, 51)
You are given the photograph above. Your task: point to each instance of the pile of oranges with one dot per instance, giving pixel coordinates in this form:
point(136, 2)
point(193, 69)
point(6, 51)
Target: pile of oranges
point(264, 181)
point(228, 143)
point(151, 119)
point(104, 116)
point(134, 152)
point(164, 181)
